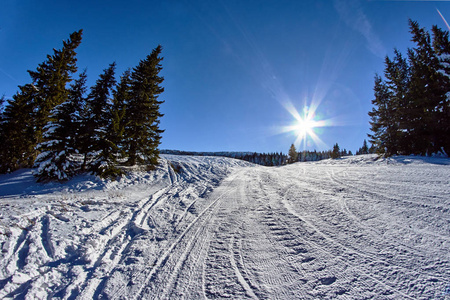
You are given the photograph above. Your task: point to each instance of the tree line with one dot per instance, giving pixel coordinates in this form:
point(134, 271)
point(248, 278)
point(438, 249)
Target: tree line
point(278, 158)
point(60, 127)
point(411, 109)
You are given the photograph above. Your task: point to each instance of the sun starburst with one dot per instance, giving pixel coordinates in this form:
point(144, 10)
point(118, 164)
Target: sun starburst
point(306, 126)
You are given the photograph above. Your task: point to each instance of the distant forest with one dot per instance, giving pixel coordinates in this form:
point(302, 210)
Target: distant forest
point(276, 159)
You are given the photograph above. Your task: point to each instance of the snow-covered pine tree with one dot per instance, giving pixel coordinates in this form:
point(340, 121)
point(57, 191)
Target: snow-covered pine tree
point(56, 160)
point(28, 112)
point(51, 79)
point(142, 132)
point(53, 161)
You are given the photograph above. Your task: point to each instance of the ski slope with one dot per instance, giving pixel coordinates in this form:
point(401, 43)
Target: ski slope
point(357, 227)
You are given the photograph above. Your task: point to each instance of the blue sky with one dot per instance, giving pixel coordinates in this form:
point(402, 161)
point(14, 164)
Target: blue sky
point(235, 71)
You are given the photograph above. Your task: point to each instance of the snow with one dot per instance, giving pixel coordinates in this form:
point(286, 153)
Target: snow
point(211, 227)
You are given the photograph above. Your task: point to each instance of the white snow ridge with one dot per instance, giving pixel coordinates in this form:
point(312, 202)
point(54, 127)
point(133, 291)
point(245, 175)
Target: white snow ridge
point(211, 228)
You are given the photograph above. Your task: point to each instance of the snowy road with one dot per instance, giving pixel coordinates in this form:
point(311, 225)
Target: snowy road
point(351, 229)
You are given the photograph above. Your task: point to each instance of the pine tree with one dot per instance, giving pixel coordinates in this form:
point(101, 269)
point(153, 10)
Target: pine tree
point(2, 133)
point(336, 151)
point(18, 151)
point(99, 149)
point(77, 106)
point(397, 83)
point(363, 150)
point(411, 107)
point(28, 112)
point(423, 91)
point(441, 46)
point(142, 132)
point(384, 133)
point(50, 80)
point(121, 97)
point(56, 160)
point(2, 106)
point(293, 155)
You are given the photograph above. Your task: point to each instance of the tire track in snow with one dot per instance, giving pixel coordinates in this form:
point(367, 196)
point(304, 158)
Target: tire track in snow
point(265, 263)
point(162, 260)
point(181, 259)
point(413, 253)
point(225, 271)
point(239, 275)
point(378, 195)
point(353, 251)
point(119, 231)
point(358, 221)
point(309, 239)
point(374, 234)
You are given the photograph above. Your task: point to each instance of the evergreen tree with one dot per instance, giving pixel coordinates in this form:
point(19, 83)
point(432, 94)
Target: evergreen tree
point(293, 155)
point(17, 150)
point(77, 106)
point(56, 160)
point(424, 92)
point(2, 106)
point(411, 107)
point(364, 149)
point(50, 80)
point(384, 133)
point(336, 151)
point(100, 152)
point(441, 46)
point(121, 97)
point(142, 132)
point(2, 132)
point(397, 82)
point(28, 112)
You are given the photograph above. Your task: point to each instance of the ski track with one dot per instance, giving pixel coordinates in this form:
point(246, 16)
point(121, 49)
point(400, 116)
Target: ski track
point(213, 228)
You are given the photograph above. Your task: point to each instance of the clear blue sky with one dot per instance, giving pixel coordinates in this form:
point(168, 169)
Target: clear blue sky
point(233, 69)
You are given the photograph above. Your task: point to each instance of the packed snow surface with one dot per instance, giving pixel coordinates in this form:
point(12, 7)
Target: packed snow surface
point(211, 227)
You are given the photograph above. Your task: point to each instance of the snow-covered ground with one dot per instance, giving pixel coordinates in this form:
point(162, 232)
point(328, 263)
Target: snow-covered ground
point(352, 228)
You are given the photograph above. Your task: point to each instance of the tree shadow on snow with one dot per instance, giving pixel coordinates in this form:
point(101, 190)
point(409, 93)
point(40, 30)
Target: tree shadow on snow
point(22, 183)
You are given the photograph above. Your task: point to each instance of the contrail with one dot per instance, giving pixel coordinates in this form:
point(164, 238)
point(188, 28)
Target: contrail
point(1, 70)
point(445, 21)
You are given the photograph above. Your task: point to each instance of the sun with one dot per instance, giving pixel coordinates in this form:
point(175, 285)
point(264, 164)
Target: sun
point(305, 126)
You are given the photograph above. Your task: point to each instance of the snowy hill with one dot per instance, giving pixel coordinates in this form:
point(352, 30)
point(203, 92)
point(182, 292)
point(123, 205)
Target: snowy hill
point(212, 227)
